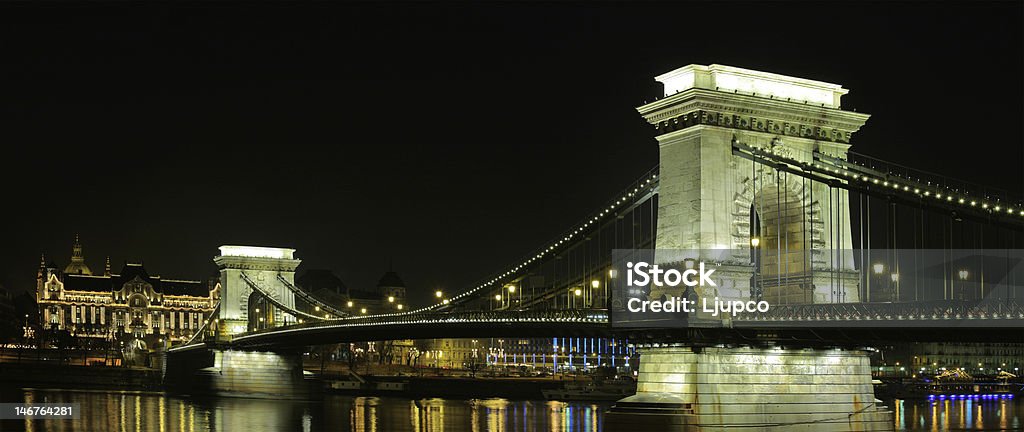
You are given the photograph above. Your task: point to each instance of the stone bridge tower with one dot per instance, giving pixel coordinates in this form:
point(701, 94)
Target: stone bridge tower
point(712, 199)
point(243, 308)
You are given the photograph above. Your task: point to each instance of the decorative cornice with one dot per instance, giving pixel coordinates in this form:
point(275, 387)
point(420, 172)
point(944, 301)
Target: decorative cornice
point(256, 263)
point(751, 106)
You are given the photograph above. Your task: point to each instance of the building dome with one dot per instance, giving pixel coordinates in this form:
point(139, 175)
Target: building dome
point(77, 265)
point(390, 280)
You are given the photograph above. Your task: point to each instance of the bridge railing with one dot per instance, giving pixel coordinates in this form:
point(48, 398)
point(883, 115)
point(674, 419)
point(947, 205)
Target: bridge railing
point(597, 316)
point(931, 310)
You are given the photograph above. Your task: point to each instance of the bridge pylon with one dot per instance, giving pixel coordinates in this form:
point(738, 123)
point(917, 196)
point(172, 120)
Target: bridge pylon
point(711, 198)
point(248, 275)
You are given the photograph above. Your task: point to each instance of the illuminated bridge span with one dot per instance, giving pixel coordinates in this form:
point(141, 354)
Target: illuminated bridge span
point(753, 163)
point(422, 325)
point(812, 215)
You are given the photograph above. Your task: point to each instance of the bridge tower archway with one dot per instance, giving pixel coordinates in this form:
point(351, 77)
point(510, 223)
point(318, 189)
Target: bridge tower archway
point(260, 311)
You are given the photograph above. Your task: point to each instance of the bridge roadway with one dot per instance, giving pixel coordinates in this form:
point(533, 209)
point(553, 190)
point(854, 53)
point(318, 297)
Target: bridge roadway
point(820, 324)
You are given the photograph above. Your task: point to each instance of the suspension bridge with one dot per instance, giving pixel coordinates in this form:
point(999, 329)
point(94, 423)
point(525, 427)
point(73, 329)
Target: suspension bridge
point(849, 249)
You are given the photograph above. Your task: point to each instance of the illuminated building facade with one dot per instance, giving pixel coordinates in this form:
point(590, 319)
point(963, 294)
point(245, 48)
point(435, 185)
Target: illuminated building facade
point(130, 302)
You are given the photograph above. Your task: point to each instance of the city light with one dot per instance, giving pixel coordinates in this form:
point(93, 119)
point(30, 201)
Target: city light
point(755, 241)
point(963, 274)
point(595, 283)
point(578, 292)
point(878, 268)
point(497, 297)
point(391, 299)
point(350, 303)
point(438, 294)
point(511, 288)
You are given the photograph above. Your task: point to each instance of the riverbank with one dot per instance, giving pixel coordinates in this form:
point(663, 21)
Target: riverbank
point(42, 375)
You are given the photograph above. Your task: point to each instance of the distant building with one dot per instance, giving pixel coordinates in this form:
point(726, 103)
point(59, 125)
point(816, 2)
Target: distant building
point(975, 357)
point(388, 297)
point(129, 302)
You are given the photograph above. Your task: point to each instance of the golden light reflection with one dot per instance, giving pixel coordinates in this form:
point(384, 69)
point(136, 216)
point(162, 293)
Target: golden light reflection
point(495, 413)
point(474, 416)
point(945, 415)
point(138, 413)
point(414, 414)
point(556, 412)
point(1003, 423)
point(162, 407)
point(124, 426)
point(977, 417)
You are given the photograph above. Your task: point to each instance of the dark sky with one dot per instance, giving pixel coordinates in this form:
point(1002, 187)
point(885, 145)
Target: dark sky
point(450, 139)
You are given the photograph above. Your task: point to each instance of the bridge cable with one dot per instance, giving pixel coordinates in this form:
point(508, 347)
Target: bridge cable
point(309, 298)
point(276, 302)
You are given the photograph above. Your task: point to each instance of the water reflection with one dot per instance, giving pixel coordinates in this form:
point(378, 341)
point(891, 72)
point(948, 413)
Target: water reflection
point(149, 411)
point(959, 414)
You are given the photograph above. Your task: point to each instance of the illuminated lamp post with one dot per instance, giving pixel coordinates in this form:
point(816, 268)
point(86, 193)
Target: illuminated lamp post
point(963, 274)
point(877, 269)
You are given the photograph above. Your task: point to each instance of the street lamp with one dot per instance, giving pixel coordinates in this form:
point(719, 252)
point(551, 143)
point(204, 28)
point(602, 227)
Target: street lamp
point(756, 261)
point(895, 285)
point(438, 294)
point(400, 306)
point(878, 268)
point(391, 299)
point(578, 292)
point(511, 288)
point(963, 275)
point(363, 310)
point(350, 303)
point(595, 283)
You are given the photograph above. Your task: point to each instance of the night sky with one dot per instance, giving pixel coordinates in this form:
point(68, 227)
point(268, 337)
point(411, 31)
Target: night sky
point(447, 139)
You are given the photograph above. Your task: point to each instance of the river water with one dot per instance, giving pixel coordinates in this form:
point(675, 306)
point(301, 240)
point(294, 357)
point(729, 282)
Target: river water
point(151, 411)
